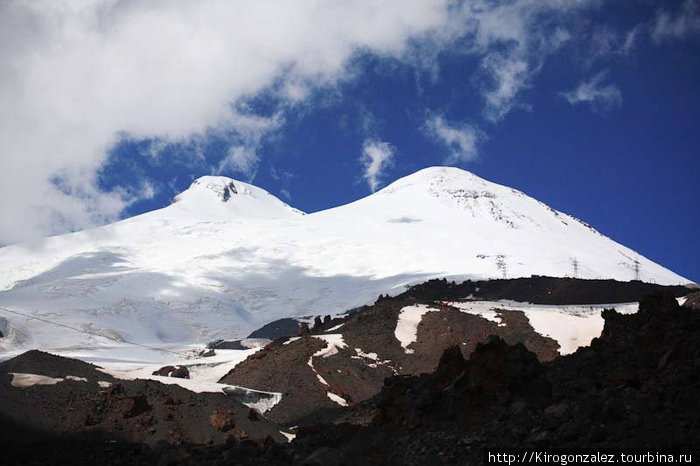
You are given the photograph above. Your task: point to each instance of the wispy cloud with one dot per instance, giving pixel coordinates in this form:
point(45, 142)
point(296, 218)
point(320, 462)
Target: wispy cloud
point(460, 139)
point(280, 175)
point(607, 43)
point(513, 40)
point(677, 25)
point(243, 155)
point(376, 157)
point(600, 96)
point(510, 75)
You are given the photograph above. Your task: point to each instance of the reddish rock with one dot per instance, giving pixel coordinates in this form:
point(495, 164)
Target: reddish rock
point(223, 421)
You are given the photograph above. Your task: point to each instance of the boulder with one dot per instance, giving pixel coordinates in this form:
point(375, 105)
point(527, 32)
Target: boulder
point(180, 372)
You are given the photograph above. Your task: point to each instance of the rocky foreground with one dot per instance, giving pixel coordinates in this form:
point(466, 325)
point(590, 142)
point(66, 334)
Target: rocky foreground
point(344, 361)
point(636, 385)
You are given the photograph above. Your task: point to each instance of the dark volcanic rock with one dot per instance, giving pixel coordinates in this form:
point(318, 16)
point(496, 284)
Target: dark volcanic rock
point(223, 421)
point(465, 392)
point(88, 403)
point(136, 405)
point(285, 371)
point(180, 372)
point(636, 386)
point(277, 329)
point(692, 300)
point(357, 372)
point(542, 290)
point(223, 344)
point(50, 365)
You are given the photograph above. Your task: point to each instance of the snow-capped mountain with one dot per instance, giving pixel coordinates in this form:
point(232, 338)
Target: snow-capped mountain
point(227, 257)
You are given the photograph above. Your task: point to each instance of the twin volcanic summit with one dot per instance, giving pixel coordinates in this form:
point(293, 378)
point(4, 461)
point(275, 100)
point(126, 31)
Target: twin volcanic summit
point(232, 328)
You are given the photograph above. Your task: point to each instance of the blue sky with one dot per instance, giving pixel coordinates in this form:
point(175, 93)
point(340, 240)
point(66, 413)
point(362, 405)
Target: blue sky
point(589, 106)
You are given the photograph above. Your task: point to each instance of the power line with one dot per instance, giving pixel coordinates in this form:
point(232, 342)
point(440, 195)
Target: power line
point(91, 333)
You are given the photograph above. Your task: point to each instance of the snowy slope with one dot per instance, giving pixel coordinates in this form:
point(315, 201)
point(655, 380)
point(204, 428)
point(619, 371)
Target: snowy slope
point(227, 257)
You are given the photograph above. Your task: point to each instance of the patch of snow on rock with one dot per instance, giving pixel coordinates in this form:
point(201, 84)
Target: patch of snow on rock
point(332, 329)
point(75, 378)
point(480, 308)
point(334, 342)
point(288, 436)
point(337, 399)
point(407, 325)
point(20, 380)
point(361, 353)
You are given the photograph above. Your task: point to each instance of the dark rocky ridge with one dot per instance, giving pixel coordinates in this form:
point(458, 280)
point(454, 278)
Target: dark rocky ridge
point(635, 386)
point(277, 329)
point(535, 289)
point(692, 300)
point(141, 411)
point(543, 290)
point(283, 366)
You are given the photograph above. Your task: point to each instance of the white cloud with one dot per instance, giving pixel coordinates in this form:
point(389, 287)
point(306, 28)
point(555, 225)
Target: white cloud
point(514, 39)
point(250, 131)
point(77, 75)
point(376, 157)
point(462, 140)
point(510, 75)
point(278, 174)
point(595, 93)
point(677, 26)
point(606, 42)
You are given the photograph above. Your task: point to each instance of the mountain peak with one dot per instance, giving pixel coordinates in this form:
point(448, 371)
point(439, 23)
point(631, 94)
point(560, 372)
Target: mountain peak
point(220, 195)
point(221, 187)
point(437, 177)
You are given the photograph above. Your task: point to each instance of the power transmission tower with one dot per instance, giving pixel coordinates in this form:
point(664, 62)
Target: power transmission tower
point(636, 269)
point(574, 264)
point(501, 264)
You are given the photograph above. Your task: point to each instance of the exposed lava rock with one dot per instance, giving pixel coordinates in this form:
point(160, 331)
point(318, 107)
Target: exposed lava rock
point(208, 353)
point(356, 372)
point(636, 386)
point(692, 300)
point(93, 404)
point(136, 405)
point(223, 421)
point(180, 372)
point(278, 329)
point(284, 368)
point(464, 392)
point(542, 290)
point(373, 353)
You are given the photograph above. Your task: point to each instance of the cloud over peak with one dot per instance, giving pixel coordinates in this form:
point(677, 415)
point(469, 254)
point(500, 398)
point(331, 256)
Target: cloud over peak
point(460, 139)
point(376, 157)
